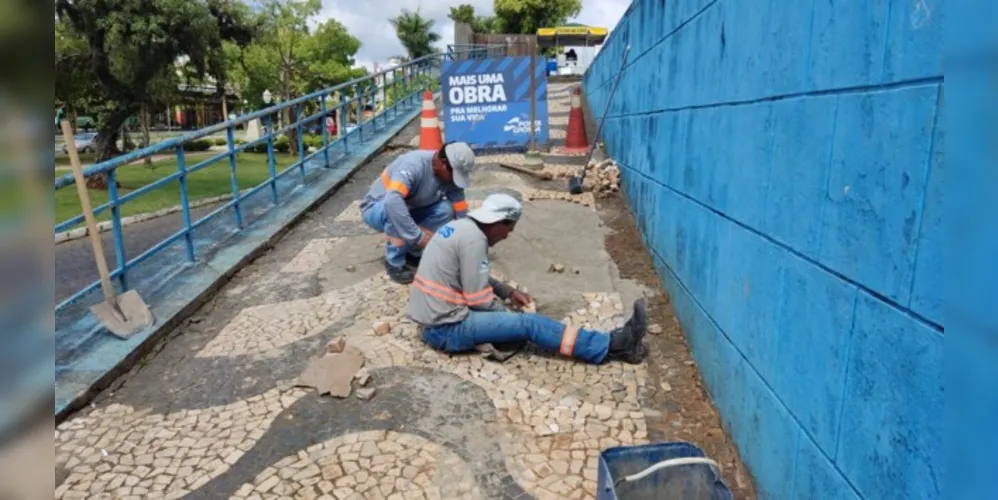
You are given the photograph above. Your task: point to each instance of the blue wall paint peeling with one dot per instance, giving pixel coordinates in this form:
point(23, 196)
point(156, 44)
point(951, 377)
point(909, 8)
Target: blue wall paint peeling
point(784, 162)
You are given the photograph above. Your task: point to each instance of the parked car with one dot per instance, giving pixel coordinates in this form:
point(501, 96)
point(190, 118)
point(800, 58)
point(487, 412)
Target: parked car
point(84, 143)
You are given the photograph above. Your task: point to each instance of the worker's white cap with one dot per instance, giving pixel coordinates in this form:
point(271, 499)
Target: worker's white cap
point(497, 207)
point(462, 160)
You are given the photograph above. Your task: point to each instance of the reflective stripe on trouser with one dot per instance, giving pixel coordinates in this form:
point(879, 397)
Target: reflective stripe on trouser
point(487, 327)
point(429, 218)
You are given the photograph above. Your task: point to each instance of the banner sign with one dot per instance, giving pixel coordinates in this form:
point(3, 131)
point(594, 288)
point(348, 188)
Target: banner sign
point(487, 102)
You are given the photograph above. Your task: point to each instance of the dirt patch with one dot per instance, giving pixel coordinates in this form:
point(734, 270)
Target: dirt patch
point(682, 410)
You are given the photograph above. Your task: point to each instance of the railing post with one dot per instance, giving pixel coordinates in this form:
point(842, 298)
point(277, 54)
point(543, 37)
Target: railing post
point(301, 141)
point(325, 131)
point(271, 163)
point(374, 102)
point(412, 86)
point(231, 141)
point(358, 100)
point(384, 97)
point(119, 240)
point(395, 87)
point(185, 206)
point(345, 120)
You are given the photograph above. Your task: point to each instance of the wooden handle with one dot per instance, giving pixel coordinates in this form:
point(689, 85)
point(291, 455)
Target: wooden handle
point(544, 176)
point(88, 212)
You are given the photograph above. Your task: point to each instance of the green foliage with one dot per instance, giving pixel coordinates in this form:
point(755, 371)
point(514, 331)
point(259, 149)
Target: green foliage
point(198, 145)
point(399, 90)
point(222, 142)
point(527, 16)
point(465, 13)
point(281, 145)
point(416, 33)
point(291, 58)
point(113, 55)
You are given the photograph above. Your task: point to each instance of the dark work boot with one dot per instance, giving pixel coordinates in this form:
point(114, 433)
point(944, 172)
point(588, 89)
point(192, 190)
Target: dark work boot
point(627, 342)
point(401, 275)
point(412, 261)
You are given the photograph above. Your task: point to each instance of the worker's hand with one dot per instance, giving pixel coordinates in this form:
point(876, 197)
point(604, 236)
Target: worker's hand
point(519, 298)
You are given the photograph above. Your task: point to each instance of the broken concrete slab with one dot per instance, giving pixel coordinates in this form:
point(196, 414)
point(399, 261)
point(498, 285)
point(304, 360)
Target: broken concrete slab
point(332, 374)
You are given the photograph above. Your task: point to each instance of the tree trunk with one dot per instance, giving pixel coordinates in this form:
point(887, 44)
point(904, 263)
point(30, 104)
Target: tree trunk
point(126, 140)
point(144, 116)
point(106, 145)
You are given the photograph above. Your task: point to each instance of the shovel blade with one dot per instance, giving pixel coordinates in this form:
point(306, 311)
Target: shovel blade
point(575, 185)
point(124, 315)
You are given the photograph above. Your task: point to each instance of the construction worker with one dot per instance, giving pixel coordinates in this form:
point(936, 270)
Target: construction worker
point(459, 305)
point(415, 195)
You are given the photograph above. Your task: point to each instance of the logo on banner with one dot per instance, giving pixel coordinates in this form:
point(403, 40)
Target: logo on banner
point(516, 125)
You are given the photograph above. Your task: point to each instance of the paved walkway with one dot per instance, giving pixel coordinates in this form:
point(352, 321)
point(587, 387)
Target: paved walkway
point(214, 412)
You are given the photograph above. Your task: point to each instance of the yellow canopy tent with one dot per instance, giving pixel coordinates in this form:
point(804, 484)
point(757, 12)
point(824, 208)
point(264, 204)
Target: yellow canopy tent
point(571, 35)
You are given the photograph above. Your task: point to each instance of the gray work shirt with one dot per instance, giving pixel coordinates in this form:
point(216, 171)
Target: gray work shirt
point(453, 277)
point(408, 184)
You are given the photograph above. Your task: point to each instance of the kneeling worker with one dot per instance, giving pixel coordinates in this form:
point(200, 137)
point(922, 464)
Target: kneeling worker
point(415, 195)
point(457, 303)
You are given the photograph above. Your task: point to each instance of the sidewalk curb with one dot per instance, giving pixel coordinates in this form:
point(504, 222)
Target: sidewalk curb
point(98, 368)
point(105, 226)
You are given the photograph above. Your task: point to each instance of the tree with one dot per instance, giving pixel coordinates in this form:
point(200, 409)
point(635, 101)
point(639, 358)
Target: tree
point(292, 59)
point(527, 16)
point(415, 33)
point(123, 46)
point(465, 13)
point(237, 32)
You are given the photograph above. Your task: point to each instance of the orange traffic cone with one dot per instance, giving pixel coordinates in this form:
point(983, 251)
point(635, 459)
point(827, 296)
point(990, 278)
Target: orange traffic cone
point(429, 132)
point(575, 137)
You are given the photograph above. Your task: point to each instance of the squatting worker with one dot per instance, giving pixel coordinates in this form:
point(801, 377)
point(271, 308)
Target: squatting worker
point(457, 303)
point(415, 195)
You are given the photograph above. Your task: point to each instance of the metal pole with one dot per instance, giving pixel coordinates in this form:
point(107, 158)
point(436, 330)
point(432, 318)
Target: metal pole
point(532, 159)
point(533, 90)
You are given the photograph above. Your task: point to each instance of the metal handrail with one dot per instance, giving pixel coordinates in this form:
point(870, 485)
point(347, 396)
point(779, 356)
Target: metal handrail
point(409, 80)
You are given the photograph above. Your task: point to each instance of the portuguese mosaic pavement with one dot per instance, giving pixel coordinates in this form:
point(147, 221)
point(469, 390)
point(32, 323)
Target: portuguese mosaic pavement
point(214, 413)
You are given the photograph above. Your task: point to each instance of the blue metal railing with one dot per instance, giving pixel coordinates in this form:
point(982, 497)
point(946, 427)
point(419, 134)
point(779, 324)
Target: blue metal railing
point(473, 51)
point(402, 85)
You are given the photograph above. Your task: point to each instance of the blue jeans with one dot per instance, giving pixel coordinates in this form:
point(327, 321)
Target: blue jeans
point(487, 327)
point(431, 218)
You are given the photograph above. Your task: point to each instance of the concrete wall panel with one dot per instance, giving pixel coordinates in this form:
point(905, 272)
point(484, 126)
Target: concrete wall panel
point(784, 161)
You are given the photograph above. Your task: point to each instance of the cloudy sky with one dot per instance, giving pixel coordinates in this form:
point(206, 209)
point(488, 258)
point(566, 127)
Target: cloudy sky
point(368, 21)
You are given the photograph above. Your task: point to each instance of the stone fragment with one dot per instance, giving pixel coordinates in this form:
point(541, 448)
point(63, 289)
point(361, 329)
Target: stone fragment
point(365, 393)
point(362, 377)
point(666, 387)
point(382, 328)
point(336, 345)
point(655, 329)
point(556, 268)
point(351, 268)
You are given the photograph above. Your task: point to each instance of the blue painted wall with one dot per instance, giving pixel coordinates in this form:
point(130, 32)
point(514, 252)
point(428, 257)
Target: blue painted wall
point(784, 161)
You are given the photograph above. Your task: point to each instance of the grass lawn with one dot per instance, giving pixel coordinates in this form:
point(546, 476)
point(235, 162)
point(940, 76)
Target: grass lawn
point(62, 160)
point(212, 180)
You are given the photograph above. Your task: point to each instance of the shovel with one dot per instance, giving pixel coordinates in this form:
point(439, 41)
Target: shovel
point(575, 183)
point(122, 315)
